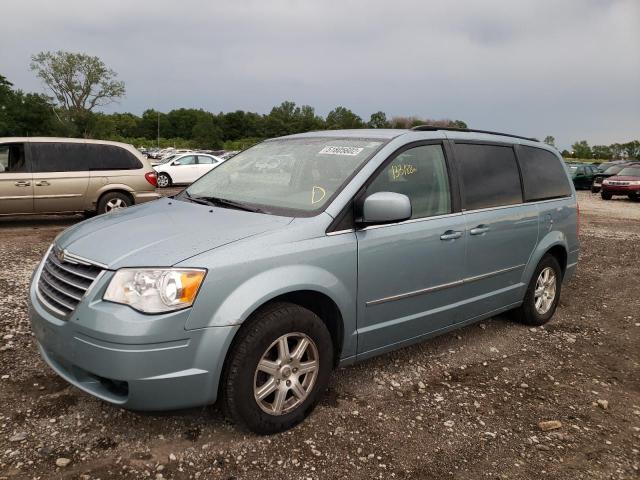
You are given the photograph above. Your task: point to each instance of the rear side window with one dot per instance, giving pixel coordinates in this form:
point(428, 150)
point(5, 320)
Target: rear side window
point(58, 157)
point(12, 158)
point(110, 157)
point(490, 176)
point(204, 159)
point(543, 174)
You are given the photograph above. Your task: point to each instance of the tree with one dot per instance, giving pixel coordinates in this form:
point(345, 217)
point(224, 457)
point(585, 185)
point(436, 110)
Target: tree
point(602, 152)
point(341, 118)
point(78, 81)
point(550, 140)
point(23, 114)
point(206, 132)
point(582, 149)
point(378, 120)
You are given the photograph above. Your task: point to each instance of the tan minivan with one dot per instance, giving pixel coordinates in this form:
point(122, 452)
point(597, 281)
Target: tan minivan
point(54, 175)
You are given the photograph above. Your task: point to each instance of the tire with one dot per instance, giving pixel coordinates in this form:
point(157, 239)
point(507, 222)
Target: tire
point(529, 313)
point(606, 196)
point(595, 190)
point(164, 180)
point(633, 197)
point(113, 201)
point(260, 340)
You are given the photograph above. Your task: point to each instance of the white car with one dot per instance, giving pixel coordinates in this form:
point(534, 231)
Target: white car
point(185, 169)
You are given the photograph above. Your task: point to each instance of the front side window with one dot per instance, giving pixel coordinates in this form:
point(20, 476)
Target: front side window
point(294, 176)
point(12, 158)
point(58, 157)
point(420, 173)
point(490, 176)
point(188, 160)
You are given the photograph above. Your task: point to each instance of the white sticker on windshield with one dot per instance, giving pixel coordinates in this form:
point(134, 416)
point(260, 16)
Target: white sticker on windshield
point(351, 151)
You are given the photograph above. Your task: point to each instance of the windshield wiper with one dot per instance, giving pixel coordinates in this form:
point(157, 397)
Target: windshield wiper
point(200, 200)
point(224, 202)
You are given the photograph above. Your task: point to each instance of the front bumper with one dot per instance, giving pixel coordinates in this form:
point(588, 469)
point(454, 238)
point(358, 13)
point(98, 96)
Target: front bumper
point(621, 189)
point(138, 361)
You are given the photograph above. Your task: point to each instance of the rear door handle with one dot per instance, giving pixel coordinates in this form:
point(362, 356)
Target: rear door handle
point(479, 230)
point(450, 235)
point(22, 183)
point(42, 183)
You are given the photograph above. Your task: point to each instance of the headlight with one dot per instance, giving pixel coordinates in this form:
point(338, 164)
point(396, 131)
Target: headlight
point(605, 182)
point(634, 182)
point(155, 290)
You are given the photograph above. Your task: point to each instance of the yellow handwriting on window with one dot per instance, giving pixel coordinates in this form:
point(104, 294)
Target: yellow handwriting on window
point(317, 194)
point(403, 170)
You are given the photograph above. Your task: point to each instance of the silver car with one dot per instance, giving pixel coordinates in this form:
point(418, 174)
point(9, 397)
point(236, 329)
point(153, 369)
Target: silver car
point(254, 283)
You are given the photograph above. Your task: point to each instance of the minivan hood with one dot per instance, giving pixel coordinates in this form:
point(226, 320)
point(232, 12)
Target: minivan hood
point(161, 233)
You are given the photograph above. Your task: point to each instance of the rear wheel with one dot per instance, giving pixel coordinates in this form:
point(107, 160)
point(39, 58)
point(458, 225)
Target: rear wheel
point(606, 196)
point(543, 293)
point(277, 369)
point(634, 197)
point(164, 180)
point(113, 201)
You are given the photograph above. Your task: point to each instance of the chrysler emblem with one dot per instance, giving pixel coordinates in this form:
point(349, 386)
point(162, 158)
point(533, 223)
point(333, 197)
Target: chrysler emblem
point(60, 255)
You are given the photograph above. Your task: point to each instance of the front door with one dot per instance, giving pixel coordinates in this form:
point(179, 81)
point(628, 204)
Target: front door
point(501, 230)
point(185, 169)
point(409, 273)
point(16, 185)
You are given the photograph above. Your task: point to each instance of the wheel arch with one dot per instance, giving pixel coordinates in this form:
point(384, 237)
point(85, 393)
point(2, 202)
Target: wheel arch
point(115, 189)
point(554, 243)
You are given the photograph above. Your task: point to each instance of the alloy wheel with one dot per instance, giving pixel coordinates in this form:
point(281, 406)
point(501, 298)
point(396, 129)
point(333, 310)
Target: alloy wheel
point(545, 292)
point(286, 373)
point(114, 204)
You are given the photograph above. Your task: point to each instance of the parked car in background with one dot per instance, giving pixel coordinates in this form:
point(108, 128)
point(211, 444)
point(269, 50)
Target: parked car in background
point(254, 283)
point(603, 166)
point(582, 175)
point(160, 161)
point(185, 169)
point(54, 175)
point(626, 182)
point(601, 175)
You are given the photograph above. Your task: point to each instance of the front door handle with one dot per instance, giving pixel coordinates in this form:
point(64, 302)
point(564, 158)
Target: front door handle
point(22, 183)
point(450, 235)
point(42, 183)
point(479, 230)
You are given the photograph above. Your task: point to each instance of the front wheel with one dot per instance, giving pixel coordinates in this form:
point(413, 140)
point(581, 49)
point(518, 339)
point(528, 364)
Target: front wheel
point(543, 293)
point(277, 369)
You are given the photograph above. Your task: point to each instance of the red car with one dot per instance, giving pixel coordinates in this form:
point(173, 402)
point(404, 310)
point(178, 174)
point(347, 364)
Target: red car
point(626, 182)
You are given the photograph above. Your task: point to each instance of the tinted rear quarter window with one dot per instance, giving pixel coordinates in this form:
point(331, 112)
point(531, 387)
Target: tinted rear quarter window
point(543, 174)
point(490, 176)
point(110, 157)
point(58, 157)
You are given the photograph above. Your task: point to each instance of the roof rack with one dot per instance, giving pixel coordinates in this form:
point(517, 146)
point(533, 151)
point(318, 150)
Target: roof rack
point(430, 128)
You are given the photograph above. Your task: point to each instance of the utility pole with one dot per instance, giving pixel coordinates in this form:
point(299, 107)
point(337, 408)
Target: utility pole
point(158, 129)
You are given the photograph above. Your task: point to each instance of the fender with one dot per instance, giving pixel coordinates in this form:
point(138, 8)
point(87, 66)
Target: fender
point(550, 240)
point(261, 288)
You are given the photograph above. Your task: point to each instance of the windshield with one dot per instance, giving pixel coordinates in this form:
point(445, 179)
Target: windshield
point(299, 174)
point(613, 170)
point(631, 171)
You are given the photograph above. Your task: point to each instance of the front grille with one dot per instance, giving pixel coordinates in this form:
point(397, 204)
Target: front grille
point(617, 182)
point(63, 282)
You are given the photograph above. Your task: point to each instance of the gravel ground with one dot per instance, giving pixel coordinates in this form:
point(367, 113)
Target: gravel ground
point(467, 405)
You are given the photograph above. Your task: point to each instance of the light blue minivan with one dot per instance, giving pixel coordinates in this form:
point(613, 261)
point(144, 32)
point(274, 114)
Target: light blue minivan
point(300, 254)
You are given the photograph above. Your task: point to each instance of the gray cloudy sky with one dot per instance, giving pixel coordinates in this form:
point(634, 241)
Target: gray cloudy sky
point(568, 68)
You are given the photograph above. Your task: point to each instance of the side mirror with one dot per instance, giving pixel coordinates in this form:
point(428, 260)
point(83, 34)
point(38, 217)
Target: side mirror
point(386, 207)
